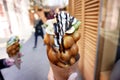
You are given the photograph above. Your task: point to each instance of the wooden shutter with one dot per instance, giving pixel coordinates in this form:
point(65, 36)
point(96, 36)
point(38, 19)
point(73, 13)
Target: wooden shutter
point(87, 11)
point(78, 15)
point(91, 15)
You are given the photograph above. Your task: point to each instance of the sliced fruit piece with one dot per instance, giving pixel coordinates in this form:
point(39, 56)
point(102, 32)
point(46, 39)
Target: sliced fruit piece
point(76, 36)
point(70, 31)
point(76, 25)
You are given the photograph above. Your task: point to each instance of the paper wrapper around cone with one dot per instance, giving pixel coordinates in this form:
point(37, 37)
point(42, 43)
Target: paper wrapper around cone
point(64, 73)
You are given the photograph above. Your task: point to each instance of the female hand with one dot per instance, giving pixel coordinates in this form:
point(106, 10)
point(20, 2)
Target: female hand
point(10, 61)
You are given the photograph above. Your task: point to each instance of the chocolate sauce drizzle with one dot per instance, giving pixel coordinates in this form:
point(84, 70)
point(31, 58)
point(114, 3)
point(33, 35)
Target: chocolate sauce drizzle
point(59, 31)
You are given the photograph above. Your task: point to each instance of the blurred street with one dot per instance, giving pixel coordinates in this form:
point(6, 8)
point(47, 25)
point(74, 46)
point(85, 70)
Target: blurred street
point(35, 65)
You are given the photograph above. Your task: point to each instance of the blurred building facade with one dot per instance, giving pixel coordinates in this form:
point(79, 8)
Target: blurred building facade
point(15, 18)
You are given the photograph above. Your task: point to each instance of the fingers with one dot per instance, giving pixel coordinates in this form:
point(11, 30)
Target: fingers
point(9, 62)
point(50, 75)
point(20, 55)
point(73, 76)
point(19, 60)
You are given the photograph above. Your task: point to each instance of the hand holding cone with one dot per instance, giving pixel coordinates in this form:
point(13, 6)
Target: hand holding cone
point(13, 50)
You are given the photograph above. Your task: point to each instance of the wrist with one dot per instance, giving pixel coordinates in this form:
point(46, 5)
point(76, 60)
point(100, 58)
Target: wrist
point(4, 63)
point(8, 62)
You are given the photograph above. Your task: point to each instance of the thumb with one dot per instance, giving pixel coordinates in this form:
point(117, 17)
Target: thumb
point(73, 76)
point(9, 62)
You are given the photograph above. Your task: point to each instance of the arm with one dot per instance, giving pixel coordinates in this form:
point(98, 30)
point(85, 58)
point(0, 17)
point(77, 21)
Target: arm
point(5, 63)
point(2, 64)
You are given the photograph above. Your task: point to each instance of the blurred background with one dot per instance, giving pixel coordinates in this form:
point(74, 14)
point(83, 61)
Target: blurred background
point(99, 45)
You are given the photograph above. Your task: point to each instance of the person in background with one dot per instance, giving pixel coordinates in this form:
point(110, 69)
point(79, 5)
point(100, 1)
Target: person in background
point(50, 14)
point(38, 30)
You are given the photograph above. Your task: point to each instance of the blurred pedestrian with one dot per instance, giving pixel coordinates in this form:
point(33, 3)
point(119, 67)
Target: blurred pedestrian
point(38, 31)
point(50, 14)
